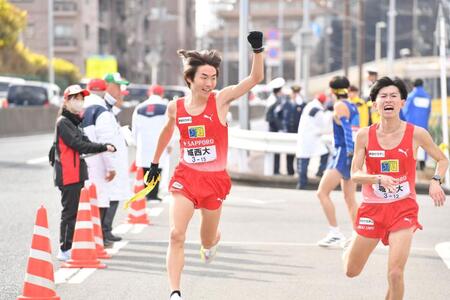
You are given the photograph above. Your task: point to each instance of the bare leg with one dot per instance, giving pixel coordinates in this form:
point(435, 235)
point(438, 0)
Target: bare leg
point(399, 248)
point(349, 189)
point(181, 211)
point(356, 256)
point(328, 183)
point(209, 232)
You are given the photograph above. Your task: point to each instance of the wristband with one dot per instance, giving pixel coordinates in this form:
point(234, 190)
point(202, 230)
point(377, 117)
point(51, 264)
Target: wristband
point(258, 50)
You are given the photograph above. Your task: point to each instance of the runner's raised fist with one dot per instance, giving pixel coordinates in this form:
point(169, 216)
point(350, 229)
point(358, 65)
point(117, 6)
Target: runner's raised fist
point(255, 38)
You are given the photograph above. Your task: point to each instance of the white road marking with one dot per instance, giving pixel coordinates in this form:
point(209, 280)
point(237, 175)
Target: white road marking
point(286, 244)
point(137, 228)
point(37, 160)
point(116, 247)
point(122, 228)
point(154, 212)
point(443, 249)
point(82, 275)
point(64, 274)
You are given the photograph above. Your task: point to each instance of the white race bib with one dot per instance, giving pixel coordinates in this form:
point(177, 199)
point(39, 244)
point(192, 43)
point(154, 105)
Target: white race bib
point(200, 154)
point(401, 191)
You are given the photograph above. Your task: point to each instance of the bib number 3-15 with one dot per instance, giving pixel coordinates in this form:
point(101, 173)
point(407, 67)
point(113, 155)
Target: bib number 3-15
point(200, 155)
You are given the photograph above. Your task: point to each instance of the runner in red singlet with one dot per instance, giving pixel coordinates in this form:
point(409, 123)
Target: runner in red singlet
point(200, 180)
point(389, 210)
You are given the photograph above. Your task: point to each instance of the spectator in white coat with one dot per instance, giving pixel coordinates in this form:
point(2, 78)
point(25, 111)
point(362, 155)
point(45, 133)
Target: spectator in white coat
point(108, 172)
point(149, 118)
point(314, 124)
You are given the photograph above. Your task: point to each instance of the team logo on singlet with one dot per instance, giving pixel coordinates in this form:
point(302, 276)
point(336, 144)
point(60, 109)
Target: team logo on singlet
point(184, 120)
point(177, 185)
point(390, 166)
point(196, 131)
point(365, 221)
point(376, 153)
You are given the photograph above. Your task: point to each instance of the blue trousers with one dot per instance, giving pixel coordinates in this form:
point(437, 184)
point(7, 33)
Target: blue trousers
point(302, 169)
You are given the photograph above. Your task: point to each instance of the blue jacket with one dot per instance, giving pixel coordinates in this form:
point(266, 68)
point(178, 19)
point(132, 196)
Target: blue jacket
point(417, 107)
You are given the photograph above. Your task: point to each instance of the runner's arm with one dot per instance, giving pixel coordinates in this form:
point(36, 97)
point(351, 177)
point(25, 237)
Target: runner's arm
point(425, 141)
point(357, 171)
point(343, 115)
point(233, 92)
point(166, 131)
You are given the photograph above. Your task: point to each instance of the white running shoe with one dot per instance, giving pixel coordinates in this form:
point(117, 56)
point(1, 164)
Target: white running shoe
point(207, 255)
point(63, 255)
point(332, 240)
point(175, 296)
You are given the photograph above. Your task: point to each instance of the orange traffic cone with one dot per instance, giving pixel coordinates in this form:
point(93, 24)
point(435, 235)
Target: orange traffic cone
point(39, 281)
point(133, 167)
point(83, 247)
point(137, 212)
point(98, 234)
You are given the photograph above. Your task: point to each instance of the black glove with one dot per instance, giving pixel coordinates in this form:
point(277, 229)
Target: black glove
point(255, 38)
point(152, 174)
point(115, 149)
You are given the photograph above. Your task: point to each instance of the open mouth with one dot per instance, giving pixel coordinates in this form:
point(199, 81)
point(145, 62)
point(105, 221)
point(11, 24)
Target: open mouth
point(206, 90)
point(388, 108)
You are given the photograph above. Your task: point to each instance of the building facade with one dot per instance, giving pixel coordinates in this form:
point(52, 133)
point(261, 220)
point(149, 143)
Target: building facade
point(139, 33)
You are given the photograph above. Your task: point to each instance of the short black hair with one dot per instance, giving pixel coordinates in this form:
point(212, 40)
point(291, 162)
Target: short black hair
point(418, 82)
point(339, 84)
point(386, 81)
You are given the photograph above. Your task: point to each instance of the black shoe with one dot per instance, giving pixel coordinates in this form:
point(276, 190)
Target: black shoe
point(108, 243)
point(109, 236)
point(154, 199)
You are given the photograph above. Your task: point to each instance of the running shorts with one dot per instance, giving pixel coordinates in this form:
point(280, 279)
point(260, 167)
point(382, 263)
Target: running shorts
point(378, 220)
point(340, 163)
point(205, 189)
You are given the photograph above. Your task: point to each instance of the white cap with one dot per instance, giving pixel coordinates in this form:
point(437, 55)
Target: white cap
point(75, 89)
point(277, 83)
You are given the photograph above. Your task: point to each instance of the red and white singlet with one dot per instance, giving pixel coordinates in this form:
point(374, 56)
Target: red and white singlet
point(203, 139)
point(398, 162)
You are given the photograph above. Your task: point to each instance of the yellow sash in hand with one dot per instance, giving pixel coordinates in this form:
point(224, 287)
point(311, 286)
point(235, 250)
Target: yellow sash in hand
point(141, 194)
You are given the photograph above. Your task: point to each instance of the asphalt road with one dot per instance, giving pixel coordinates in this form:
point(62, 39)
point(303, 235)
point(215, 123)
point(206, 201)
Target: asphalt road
point(268, 248)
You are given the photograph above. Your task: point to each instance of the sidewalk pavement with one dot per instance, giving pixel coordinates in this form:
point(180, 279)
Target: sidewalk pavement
point(255, 177)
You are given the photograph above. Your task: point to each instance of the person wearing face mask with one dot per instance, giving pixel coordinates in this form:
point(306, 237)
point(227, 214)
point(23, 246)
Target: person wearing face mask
point(109, 171)
point(70, 169)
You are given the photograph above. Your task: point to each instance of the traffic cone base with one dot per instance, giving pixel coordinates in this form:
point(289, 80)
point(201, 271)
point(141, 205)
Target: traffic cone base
point(95, 264)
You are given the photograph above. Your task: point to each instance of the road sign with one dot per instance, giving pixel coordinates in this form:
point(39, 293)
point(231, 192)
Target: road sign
point(273, 57)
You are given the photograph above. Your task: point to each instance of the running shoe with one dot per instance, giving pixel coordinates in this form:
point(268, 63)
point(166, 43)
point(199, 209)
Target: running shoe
point(332, 240)
point(176, 295)
point(207, 255)
point(63, 255)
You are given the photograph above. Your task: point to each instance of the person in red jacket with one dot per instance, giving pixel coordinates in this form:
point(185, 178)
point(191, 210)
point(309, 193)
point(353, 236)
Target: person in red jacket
point(70, 170)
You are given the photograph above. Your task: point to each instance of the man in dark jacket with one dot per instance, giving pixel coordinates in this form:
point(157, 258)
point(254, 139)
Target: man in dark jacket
point(70, 170)
point(292, 111)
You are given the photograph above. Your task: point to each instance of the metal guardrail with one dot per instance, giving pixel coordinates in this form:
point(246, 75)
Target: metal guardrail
point(269, 142)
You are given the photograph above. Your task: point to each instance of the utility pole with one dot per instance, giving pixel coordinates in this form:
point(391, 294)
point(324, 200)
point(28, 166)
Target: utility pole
point(225, 56)
point(361, 43)
point(414, 29)
point(51, 70)
point(280, 32)
point(391, 38)
point(244, 120)
point(346, 42)
point(443, 66)
point(306, 42)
